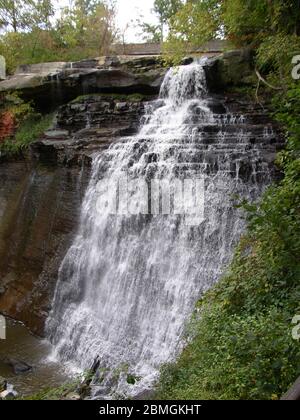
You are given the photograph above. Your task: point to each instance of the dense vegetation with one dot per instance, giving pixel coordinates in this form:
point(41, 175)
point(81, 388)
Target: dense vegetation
point(28, 124)
point(241, 344)
point(32, 34)
point(241, 335)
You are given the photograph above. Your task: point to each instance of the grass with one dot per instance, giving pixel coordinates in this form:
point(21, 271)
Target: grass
point(28, 132)
point(135, 97)
point(79, 386)
point(241, 344)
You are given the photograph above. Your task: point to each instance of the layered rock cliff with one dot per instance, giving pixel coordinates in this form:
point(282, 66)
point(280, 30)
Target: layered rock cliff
point(96, 104)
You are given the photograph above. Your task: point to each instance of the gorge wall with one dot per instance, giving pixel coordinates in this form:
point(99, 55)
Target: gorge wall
point(194, 123)
point(39, 207)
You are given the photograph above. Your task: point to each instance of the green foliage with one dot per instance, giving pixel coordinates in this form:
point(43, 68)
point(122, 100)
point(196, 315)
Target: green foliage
point(30, 125)
point(273, 25)
point(20, 15)
point(164, 11)
point(150, 33)
point(235, 357)
point(248, 22)
point(191, 26)
point(85, 30)
point(133, 97)
point(61, 392)
point(242, 345)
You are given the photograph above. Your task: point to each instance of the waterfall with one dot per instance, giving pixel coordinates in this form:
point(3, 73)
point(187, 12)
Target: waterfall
point(129, 282)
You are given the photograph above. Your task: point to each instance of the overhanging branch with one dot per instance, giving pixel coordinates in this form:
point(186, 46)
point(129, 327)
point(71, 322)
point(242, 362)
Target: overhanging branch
point(260, 78)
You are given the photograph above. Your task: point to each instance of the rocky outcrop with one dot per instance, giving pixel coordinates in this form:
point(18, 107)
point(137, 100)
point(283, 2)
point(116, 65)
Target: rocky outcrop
point(233, 68)
point(89, 124)
point(3, 384)
point(18, 367)
point(39, 207)
point(40, 196)
point(52, 84)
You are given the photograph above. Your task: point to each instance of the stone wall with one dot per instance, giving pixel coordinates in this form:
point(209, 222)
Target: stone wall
point(39, 208)
point(40, 200)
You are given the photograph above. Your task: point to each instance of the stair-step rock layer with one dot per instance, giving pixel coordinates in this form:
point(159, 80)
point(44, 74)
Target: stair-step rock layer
point(41, 194)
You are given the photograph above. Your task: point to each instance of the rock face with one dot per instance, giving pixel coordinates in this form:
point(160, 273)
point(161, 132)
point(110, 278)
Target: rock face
point(38, 213)
point(41, 194)
point(40, 198)
point(18, 366)
point(51, 84)
point(233, 68)
point(89, 124)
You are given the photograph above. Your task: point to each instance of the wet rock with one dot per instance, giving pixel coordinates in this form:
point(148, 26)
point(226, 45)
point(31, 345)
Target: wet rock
point(47, 199)
point(216, 106)
point(72, 396)
point(233, 68)
point(121, 106)
point(19, 367)
point(52, 84)
point(57, 134)
point(187, 60)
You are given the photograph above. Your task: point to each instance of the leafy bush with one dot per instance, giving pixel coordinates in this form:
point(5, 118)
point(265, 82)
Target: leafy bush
point(29, 124)
point(242, 346)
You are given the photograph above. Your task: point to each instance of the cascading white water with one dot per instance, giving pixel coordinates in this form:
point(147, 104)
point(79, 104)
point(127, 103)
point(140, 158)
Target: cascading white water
point(128, 284)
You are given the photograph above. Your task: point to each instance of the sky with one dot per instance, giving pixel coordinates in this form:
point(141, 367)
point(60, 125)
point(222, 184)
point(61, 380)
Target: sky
point(128, 11)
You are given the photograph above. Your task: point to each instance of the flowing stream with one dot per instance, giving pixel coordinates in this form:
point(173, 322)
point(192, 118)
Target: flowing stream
point(129, 283)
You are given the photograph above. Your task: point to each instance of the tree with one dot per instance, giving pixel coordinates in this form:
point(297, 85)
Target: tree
point(150, 33)
point(165, 9)
point(88, 24)
point(195, 23)
point(17, 15)
point(12, 14)
point(41, 13)
point(250, 21)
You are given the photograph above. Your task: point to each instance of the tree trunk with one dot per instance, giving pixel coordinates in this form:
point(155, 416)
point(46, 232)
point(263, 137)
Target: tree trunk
point(14, 19)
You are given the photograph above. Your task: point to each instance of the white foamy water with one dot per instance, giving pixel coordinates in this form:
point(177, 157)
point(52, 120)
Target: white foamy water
point(128, 284)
